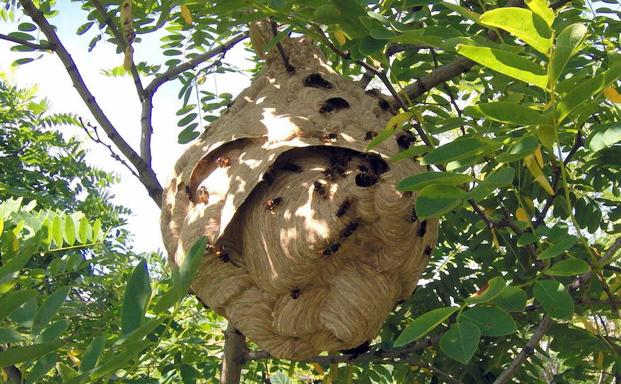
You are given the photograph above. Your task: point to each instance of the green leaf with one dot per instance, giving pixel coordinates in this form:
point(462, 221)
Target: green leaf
point(13, 300)
point(328, 14)
point(526, 238)
point(494, 287)
point(605, 136)
point(42, 367)
point(562, 245)
point(421, 180)
point(69, 230)
point(525, 146)
point(459, 149)
point(510, 113)
point(568, 42)
point(542, 8)
point(10, 336)
point(138, 334)
point(392, 126)
point(16, 355)
point(468, 14)
point(500, 178)
point(507, 63)
point(136, 298)
point(66, 372)
point(57, 230)
point(54, 331)
point(184, 274)
point(460, 342)
point(436, 200)
point(492, 321)
point(521, 23)
point(188, 134)
point(49, 308)
point(92, 353)
point(554, 298)
point(414, 150)
point(578, 95)
point(511, 299)
point(97, 234)
point(568, 267)
point(424, 324)
point(109, 364)
point(166, 301)
point(84, 231)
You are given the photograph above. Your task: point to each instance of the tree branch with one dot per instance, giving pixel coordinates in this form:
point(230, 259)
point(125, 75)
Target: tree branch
point(94, 136)
point(528, 350)
point(149, 91)
point(146, 174)
point(460, 65)
point(43, 47)
point(193, 63)
point(235, 352)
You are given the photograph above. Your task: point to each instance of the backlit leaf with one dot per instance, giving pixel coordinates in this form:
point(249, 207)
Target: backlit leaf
point(460, 342)
point(424, 324)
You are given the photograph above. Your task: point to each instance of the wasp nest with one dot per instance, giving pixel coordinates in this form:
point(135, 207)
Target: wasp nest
point(310, 245)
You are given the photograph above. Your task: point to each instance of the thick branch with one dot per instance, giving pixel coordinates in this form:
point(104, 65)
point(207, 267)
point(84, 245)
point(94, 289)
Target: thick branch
point(528, 350)
point(193, 63)
point(26, 43)
point(235, 352)
point(146, 175)
point(460, 65)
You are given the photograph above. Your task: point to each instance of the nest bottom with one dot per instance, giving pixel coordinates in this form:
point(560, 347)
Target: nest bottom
point(317, 256)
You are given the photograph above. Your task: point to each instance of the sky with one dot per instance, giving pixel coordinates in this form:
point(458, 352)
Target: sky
point(118, 99)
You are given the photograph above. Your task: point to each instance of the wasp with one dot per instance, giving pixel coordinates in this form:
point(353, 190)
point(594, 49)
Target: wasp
point(315, 80)
point(405, 139)
point(349, 229)
point(343, 208)
point(271, 204)
point(413, 217)
point(188, 191)
point(369, 135)
point(223, 161)
point(320, 189)
point(202, 195)
point(295, 293)
point(427, 250)
point(331, 249)
point(328, 137)
point(422, 228)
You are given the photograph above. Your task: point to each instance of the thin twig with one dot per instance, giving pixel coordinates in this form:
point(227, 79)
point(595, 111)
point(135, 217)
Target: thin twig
point(146, 174)
point(43, 47)
point(92, 132)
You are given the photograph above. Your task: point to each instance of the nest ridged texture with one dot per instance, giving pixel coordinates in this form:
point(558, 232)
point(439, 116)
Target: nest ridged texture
point(310, 244)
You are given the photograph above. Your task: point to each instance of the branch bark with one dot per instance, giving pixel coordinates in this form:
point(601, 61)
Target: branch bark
point(235, 352)
point(146, 174)
point(149, 91)
point(42, 47)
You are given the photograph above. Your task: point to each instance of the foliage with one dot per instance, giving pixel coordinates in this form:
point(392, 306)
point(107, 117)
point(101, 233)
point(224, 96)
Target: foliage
point(525, 153)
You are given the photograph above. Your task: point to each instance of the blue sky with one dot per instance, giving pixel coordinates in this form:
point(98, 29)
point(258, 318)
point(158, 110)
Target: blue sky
point(117, 97)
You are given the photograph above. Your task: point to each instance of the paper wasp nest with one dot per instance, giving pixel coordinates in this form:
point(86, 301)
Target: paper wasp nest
point(310, 243)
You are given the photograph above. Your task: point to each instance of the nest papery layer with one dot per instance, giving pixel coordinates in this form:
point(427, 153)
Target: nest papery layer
point(310, 243)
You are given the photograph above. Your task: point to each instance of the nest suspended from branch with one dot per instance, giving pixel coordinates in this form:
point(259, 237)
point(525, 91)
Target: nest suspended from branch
point(310, 243)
